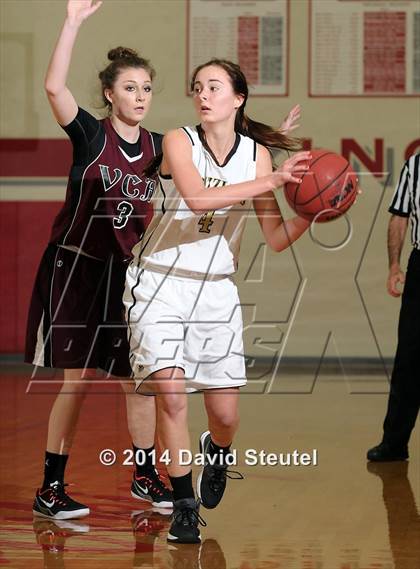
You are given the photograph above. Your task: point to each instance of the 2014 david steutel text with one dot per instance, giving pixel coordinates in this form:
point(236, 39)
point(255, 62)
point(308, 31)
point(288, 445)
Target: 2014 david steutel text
point(250, 457)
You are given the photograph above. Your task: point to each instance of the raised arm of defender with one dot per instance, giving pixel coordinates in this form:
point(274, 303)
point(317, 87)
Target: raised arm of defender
point(61, 100)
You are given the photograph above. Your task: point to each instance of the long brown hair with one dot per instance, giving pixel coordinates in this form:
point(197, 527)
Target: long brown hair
point(260, 132)
point(121, 58)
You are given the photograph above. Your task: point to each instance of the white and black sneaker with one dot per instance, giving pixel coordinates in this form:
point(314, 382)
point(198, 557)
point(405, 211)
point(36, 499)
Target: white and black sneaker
point(185, 520)
point(54, 503)
point(151, 487)
point(211, 481)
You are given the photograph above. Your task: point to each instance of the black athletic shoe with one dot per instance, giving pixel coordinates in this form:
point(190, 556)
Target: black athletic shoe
point(184, 528)
point(211, 481)
point(151, 487)
point(54, 503)
point(385, 453)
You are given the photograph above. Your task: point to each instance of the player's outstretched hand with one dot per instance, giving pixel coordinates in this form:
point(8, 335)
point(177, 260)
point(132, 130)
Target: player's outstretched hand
point(80, 10)
point(396, 279)
point(292, 169)
point(290, 122)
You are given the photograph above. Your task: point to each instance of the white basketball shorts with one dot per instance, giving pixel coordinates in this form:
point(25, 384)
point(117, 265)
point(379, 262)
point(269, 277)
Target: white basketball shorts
point(186, 323)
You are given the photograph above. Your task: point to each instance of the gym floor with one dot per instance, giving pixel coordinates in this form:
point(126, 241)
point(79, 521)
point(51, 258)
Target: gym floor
point(340, 513)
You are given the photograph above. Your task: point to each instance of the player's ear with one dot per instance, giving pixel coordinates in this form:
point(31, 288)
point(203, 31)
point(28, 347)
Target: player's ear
point(239, 99)
point(108, 95)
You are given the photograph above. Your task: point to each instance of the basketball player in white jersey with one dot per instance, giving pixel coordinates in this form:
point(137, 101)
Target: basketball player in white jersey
point(183, 310)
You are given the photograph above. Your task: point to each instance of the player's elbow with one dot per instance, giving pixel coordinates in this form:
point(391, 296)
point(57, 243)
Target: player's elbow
point(276, 240)
point(278, 246)
point(279, 242)
point(197, 206)
point(51, 87)
point(198, 203)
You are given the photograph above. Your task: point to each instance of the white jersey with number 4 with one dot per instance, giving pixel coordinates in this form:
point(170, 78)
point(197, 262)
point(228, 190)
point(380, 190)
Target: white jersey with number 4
point(180, 241)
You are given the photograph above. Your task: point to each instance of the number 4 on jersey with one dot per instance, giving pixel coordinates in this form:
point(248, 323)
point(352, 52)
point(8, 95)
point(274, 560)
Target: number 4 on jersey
point(206, 221)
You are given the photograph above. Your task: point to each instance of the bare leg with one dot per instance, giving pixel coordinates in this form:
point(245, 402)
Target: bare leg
point(223, 414)
point(141, 416)
point(172, 416)
point(65, 411)
point(51, 500)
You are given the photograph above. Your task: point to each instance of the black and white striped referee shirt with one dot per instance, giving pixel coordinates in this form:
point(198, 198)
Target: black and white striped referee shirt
point(406, 199)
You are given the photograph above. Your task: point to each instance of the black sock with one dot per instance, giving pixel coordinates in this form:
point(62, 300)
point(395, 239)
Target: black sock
point(220, 452)
point(54, 467)
point(182, 486)
point(146, 458)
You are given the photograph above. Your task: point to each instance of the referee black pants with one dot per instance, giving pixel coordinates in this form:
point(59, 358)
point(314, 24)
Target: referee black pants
point(404, 396)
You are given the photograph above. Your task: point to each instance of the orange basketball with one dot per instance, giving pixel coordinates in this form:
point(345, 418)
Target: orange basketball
point(327, 190)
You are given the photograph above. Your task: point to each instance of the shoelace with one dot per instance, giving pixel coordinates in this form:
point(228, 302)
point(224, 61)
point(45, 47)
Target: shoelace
point(218, 477)
point(159, 482)
point(59, 494)
point(189, 517)
point(156, 484)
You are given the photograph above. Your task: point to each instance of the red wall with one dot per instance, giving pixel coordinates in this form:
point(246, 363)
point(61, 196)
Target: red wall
point(24, 229)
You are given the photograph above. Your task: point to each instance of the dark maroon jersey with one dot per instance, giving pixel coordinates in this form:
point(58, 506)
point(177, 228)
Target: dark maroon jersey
point(107, 206)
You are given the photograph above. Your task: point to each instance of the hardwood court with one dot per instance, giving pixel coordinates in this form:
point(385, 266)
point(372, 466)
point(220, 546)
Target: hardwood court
point(339, 514)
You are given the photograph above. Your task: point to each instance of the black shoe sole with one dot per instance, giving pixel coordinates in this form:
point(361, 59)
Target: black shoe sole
point(147, 498)
point(386, 458)
point(76, 514)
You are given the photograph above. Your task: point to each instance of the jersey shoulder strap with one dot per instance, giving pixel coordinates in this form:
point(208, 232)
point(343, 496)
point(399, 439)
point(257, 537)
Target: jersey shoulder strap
point(250, 145)
point(192, 134)
point(157, 142)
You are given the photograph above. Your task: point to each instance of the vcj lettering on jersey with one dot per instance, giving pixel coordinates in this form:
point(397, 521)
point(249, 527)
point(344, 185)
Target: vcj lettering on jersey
point(128, 189)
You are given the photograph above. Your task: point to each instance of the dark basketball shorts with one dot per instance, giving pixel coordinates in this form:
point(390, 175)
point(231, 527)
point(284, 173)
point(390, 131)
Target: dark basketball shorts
point(76, 316)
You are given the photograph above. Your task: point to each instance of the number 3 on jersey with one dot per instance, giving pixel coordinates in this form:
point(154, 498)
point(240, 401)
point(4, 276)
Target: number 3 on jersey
point(125, 209)
point(205, 222)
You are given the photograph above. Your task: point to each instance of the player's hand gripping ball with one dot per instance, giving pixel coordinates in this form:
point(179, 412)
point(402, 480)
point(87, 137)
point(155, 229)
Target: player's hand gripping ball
point(327, 190)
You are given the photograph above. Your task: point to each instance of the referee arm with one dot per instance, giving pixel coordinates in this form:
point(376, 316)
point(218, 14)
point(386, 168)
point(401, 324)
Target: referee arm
point(397, 229)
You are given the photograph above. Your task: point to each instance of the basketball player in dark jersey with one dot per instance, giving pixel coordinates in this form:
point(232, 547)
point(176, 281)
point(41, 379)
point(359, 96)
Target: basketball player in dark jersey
point(76, 318)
